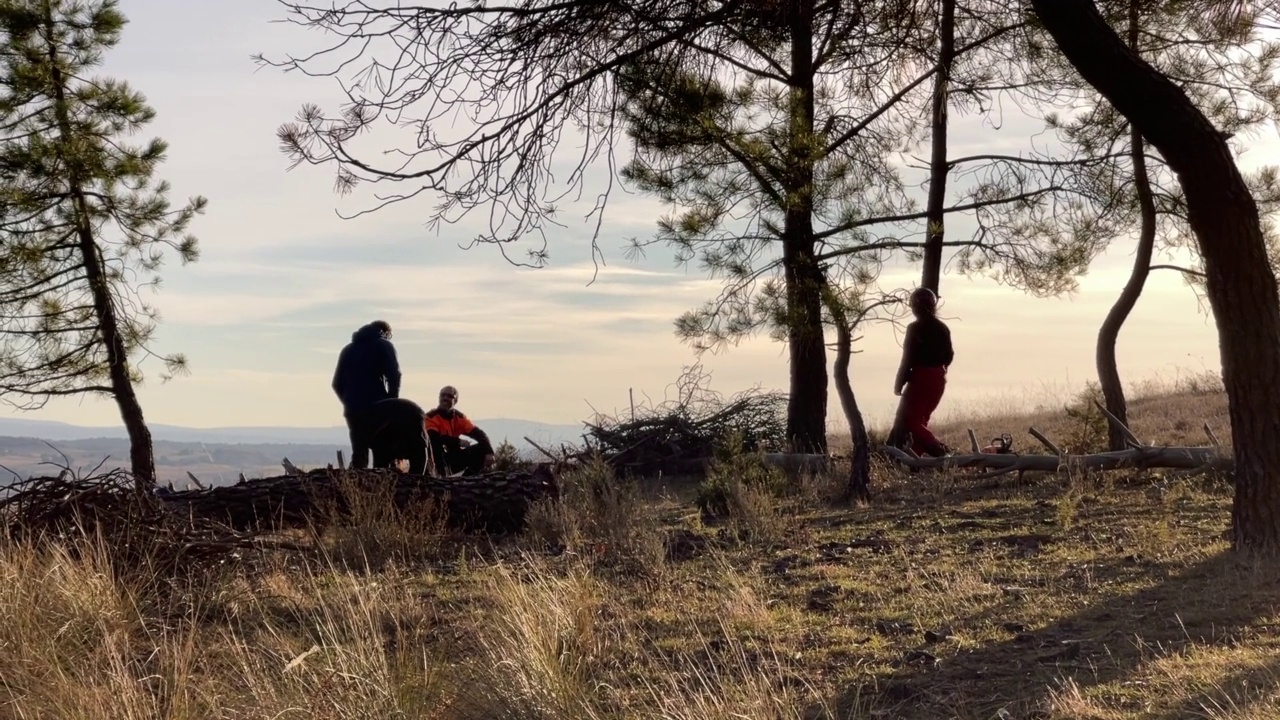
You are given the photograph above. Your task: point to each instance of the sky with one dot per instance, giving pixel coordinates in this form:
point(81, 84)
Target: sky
point(282, 281)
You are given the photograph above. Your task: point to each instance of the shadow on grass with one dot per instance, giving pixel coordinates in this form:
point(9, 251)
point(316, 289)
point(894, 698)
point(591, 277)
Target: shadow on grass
point(1210, 606)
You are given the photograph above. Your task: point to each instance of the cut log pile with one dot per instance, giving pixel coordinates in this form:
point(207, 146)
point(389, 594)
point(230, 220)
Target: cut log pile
point(1138, 455)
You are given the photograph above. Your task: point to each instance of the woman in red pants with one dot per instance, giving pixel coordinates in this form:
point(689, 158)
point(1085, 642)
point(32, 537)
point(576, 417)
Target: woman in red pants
point(926, 353)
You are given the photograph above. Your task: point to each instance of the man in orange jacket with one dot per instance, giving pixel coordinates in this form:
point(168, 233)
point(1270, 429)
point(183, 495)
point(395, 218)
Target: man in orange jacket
point(445, 426)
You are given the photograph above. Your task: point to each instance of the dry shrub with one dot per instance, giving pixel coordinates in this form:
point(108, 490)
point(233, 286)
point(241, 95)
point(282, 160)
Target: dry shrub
point(1088, 429)
point(601, 517)
point(740, 492)
point(372, 531)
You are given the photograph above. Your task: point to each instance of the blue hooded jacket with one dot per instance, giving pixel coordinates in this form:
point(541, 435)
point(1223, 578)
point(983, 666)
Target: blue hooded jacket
point(367, 371)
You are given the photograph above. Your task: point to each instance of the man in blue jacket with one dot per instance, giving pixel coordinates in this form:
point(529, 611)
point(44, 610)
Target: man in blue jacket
point(367, 373)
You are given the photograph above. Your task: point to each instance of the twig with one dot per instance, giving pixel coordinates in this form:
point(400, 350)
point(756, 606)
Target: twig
point(998, 473)
point(1212, 438)
point(1124, 429)
point(341, 465)
point(1180, 474)
point(541, 449)
point(973, 441)
point(1045, 441)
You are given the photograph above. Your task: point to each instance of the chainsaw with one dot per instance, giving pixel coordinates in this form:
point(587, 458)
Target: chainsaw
point(999, 445)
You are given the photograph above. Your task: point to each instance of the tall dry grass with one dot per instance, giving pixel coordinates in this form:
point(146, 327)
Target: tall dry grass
point(624, 601)
point(326, 635)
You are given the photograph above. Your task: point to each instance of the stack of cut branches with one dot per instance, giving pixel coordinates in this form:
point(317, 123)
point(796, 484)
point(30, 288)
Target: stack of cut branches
point(140, 533)
point(682, 435)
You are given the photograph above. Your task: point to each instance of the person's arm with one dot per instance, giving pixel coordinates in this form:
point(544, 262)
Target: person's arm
point(951, 351)
point(392, 371)
point(337, 379)
point(904, 368)
point(481, 438)
point(469, 429)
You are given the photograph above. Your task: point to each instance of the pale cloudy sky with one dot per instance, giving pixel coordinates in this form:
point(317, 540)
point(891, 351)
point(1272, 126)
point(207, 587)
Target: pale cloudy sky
point(283, 281)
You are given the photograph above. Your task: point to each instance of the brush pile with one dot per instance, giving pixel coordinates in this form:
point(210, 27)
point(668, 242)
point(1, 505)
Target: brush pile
point(495, 501)
point(163, 533)
point(683, 434)
point(136, 528)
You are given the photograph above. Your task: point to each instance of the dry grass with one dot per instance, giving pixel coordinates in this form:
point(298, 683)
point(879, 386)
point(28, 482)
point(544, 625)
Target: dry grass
point(1051, 597)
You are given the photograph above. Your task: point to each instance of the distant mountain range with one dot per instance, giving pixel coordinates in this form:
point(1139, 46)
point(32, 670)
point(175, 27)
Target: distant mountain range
point(498, 429)
point(214, 455)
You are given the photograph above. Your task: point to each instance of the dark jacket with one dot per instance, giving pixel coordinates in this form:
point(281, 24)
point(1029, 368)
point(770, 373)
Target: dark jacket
point(367, 371)
point(927, 344)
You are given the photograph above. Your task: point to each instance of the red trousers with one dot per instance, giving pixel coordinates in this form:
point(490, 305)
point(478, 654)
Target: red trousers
point(919, 400)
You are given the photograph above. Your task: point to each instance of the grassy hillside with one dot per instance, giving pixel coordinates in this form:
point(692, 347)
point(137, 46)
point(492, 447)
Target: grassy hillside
point(1050, 597)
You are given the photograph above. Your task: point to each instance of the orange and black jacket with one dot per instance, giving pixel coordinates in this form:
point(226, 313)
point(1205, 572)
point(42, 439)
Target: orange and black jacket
point(453, 424)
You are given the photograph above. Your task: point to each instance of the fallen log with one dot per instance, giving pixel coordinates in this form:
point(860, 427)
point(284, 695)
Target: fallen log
point(495, 502)
point(1190, 460)
point(1186, 458)
point(1197, 459)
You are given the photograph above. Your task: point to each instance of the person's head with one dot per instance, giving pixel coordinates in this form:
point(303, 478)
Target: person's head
point(448, 397)
point(923, 302)
point(383, 328)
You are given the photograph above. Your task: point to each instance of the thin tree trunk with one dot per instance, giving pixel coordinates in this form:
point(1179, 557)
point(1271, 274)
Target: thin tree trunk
point(807, 402)
point(1108, 368)
point(938, 167)
point(1239, 281)
point(859, 487)
point(935, 231)
point(141, 455)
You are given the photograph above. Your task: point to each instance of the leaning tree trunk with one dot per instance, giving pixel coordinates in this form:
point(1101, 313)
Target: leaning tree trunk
point(141, 455)
point(807, 402)
point(1108, 368)
point(1239, 282)
point(859, 487)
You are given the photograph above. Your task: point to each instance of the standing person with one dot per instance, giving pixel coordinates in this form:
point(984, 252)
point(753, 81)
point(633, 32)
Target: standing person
point(445, 426)
point(397, 432)
point(367, 372)
point(926, 355)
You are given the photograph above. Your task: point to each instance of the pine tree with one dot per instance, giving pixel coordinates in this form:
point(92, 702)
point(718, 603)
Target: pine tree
point(83, 224)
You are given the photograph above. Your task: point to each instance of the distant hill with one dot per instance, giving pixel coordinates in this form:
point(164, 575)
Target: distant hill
point(214, 455)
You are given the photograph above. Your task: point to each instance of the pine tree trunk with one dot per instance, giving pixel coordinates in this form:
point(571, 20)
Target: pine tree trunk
point(1240, 284)
point(935, 231)
point(141, 454)
point(938, 167)
point(859, 487)
point(1108, 368)
point(807, 402)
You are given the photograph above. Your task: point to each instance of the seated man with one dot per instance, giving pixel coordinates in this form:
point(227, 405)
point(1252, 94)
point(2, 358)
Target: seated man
point(395, 432)
point(445, 427)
